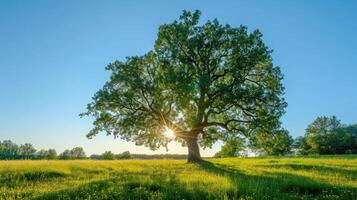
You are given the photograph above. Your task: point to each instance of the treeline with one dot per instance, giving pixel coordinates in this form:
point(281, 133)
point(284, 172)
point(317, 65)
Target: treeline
point(12, 151)
point(277, 143)
point(325, 135)
point(108, 155)
point(159, 156)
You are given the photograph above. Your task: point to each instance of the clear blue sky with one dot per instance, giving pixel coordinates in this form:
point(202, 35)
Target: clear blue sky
point(53, 54)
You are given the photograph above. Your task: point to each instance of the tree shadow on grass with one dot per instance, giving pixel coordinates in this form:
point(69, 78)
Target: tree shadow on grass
point(13, 180)
point(162, 185)
point(276, 185)
point(130, 187)
point(348, 173)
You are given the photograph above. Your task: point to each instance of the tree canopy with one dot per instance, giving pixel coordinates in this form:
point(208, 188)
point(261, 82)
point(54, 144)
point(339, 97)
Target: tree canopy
point(206, 82)
point(231, 148)
point(75, 153)
point(50, 154)
point(108, 155)
point(278, 143)
point(9, 150)
point(27, 151)
point(318, 131)
point(327, 135)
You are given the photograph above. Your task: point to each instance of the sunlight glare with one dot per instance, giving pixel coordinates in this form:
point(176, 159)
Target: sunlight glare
point(169, 133)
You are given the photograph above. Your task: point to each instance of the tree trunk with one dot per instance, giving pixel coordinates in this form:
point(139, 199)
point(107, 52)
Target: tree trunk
point(193, 150)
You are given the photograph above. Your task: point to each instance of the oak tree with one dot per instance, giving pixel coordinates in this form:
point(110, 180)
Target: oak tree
point(205, 82)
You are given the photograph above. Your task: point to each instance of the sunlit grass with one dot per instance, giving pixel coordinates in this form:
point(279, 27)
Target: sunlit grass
point(231, 178)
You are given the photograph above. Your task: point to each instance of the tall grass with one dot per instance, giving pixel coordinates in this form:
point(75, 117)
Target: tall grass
point(231, 178)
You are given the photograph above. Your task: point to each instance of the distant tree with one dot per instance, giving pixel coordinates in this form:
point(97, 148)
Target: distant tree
point(75, 153)
point(27, 151)
point(65, 155)
point(49, 154)
point(124, 155)
point(9, 150)
point(95, 157)
point(326, 135)
point(41, 154)
point(300, 145)
point(344, 140)
point(157, 156)
point(279, 143)
point(231, 148)
point(205, 82)
point(318, 134)
point(78, 153)
point(108, 155)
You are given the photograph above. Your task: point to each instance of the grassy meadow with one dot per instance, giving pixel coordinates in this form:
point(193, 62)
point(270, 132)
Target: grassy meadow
point(231, 178)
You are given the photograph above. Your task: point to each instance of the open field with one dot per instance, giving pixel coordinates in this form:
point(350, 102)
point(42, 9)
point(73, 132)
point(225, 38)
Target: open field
point(234, 178)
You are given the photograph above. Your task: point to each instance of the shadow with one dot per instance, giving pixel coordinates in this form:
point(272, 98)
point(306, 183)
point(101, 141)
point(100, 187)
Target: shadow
point(159, 184)
point(272, 185)
point(130, 187)
point(348, 173)
point(13, 180)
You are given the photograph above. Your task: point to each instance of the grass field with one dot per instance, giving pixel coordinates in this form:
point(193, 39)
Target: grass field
point(234, 178)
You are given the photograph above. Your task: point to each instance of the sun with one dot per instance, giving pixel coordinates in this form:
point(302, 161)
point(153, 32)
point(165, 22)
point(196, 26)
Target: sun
point(169, 133)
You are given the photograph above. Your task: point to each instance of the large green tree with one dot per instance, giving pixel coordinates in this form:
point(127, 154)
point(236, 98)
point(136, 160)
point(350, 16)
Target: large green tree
point(205, 82)
point(318, 134)
point(345, 140)
point(326, 135)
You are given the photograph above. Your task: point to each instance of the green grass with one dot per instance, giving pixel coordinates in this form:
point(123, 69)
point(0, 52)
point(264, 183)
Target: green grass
point(233, 178)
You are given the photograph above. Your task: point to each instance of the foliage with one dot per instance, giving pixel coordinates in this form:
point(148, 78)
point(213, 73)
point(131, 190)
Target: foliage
point(75, 153)
point(95, 157)
point(78, 153)
point(278, 143)
point(159, 156)
point(50, 154)
point(27, 151)
point(9, 150)
point(344, 140)
point(331, 178)
point(231, 148)
point(318, 132)
point(208, 82)
point(108, 155)
point(124, 155)
point(65, 155)
point(12, 151)
point(142, 156)
point(326, 135)
point(301, 146)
